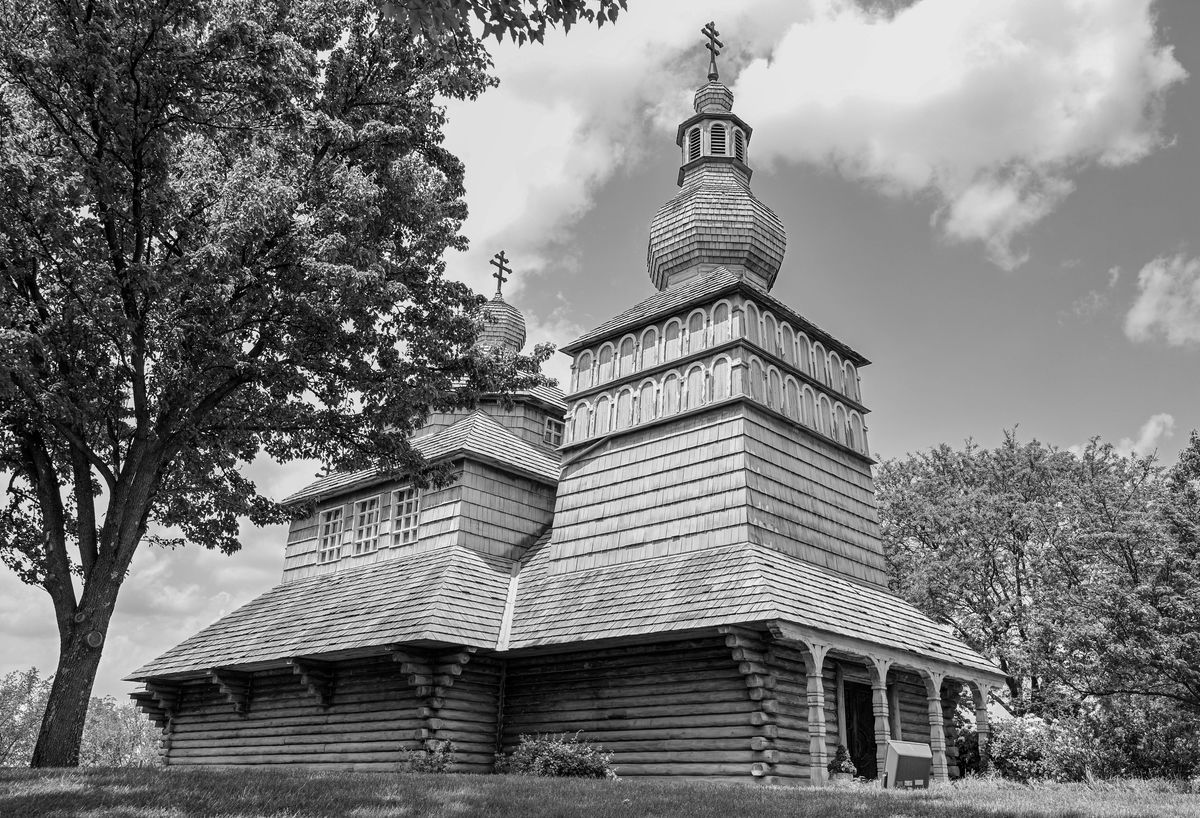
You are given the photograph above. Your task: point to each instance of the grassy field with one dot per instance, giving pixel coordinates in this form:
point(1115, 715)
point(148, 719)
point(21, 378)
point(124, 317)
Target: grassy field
point(162, 793)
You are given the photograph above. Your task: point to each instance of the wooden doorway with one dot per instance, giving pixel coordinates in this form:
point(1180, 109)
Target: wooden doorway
point(860, 728)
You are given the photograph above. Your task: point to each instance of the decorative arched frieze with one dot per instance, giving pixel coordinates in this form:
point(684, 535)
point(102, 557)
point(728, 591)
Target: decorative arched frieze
point(583, 370)
point(696, 325)
point(721, 323)
point(647, 401)
point(603, 413)
point(721, 382)
point(820, 360)
point(605, 363)
point(835, 372)
point(770, 333)
point(774, 389)
point(673, 340)
point(670, 394)
point(649, 350)
point(626, 356)
point(791, 398)
point(758, 379)
point(787, 343)
point(803, 353)
point(624, 409)
point(753, 330)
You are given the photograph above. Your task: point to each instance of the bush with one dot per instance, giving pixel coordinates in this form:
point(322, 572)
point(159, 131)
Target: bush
point(841, 763)
point(437, 757)
point(1022, 749)
point(563, 756)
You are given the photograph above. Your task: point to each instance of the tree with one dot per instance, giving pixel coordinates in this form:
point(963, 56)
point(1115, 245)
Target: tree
point(1079, 574)
point(23, 696)
point(221, 232)
point(118, 735)
point(499, 18)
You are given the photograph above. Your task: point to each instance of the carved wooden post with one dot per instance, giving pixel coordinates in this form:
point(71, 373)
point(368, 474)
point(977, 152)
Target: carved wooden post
point(817, 754)
point(937, 730)
point(879, 668)
point(983, 728)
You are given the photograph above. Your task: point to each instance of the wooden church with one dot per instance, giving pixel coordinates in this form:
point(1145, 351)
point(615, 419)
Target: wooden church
point(680, 558)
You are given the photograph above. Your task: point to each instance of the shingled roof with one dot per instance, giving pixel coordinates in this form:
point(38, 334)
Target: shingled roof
point(716, 586)
point(477, 435)
point(452, 595)
point(702, 288)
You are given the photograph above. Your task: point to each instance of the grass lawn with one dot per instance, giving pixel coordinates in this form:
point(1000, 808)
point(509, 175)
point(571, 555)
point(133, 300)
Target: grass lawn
point(166, 793)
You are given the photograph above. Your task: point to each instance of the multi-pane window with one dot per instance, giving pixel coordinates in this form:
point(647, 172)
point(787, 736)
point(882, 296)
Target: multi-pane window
point(329, 547)
point(366, 525)
point(406, 508)
point(552, 434)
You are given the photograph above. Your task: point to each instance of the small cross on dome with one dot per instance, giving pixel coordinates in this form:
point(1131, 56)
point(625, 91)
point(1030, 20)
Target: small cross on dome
point(500, 262)
point(714, 47)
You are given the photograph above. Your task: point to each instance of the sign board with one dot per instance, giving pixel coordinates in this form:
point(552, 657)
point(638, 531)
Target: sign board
point(909, 765)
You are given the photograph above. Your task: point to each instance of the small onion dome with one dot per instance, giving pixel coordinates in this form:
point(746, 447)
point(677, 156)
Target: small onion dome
point(715, 221)
point(503, 325)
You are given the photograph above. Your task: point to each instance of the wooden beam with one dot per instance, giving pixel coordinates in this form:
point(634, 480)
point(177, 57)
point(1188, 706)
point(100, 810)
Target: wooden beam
point(818, 756)
point(316, 677)
point(878, 667)
point(937, 729)
point(235, 686)
point(980, 692)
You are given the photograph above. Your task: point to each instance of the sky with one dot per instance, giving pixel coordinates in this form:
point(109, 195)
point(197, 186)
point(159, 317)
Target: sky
point(997, 203)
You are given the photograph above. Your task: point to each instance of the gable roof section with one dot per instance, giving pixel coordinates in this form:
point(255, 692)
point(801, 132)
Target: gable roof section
point(453, 595)
point(703, 288)
point(721, 585)
point(476, 435)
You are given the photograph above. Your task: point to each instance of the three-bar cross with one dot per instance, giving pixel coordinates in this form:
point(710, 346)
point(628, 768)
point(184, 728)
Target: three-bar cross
point(714, 47)
point(500, 262)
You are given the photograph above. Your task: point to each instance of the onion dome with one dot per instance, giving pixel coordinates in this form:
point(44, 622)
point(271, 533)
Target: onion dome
point(714, 220)
point(503, 324)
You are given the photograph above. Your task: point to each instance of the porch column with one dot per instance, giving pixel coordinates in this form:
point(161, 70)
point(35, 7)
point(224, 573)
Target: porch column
point(937, 729)
point(814, 661)
point(879, 667)
point(983, 727)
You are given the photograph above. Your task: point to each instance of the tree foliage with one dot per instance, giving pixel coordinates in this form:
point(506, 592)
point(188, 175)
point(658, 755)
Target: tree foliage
point(1078, 573)
point(222, 227)
point(521, 20)
point(23, 695)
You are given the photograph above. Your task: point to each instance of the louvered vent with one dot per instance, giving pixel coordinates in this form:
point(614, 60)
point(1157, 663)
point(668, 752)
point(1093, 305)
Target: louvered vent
point(717, 140)
point(694, 144)
point(739, 145)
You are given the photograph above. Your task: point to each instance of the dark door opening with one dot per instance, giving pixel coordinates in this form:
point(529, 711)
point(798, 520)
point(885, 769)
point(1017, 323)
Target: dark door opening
point(860, 728)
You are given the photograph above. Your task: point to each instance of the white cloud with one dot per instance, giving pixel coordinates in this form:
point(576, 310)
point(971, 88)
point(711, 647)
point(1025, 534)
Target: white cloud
point(1093, 302)
point(991, 107)
point(1168, 302)
point(1153, 432)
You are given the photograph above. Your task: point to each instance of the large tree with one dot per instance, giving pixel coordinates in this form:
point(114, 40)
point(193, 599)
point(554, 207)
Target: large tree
point(222, 226)
point(1079, 573)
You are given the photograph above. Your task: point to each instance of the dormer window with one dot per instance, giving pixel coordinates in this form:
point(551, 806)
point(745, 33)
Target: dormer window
point(739, 145)
point(329, 548)
point(406, 511)
point(366, 526)
point(716, 139)
point(693, 144)
point(552, 432)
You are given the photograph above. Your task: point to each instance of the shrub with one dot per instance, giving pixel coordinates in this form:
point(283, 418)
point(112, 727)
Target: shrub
point(437, 757)
point(1021, 749)
point(563, 756)
point(841, 763)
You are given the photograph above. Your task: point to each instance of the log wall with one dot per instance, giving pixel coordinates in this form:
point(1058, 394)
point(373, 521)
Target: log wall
point(372, 718)
point(680, 709)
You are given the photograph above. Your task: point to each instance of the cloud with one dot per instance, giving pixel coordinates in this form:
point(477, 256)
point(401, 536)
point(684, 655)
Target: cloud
point(1168, 302)
point(1094, 301)
point(1155, 430)
point(990, 108)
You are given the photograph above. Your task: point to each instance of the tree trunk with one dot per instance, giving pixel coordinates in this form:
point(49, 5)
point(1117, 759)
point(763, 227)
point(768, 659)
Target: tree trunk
point(66, 709)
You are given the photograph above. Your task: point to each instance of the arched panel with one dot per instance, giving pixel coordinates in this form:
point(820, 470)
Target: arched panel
point(720, 379)
point(770, 339)
point(673, 340)
point(606, 363)
point(670, 394)
point(579, 420)
point(758, 377)
point(720, 323)
point(824, 416)
point(787, 343)
point(693, 390)
point(835, 371)
point(603, 415)
point(753, 331)
point(583, 370)
point(647, 402)
point(852, 382)
point(803, 353)
point(774, 389)
point(820, 363)
point(696, 339)
point(693, 149)
point(809, 407)
point(625, 358)
point(839, 423)
point(739, 144)
point(791, 399)
point(856, 432)
point(625, 409)
point(717, 141)
point(650, 347)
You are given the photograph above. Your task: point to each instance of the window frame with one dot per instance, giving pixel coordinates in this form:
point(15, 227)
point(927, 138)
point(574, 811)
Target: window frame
point(553, 431)
point(366, 521)
point(330, 526)
point(405, 523)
